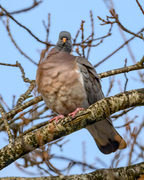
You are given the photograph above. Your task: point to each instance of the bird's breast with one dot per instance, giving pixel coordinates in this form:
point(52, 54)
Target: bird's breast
point(63, 89)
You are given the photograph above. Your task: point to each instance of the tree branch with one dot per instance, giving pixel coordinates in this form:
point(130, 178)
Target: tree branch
point(22, 10)
point(14, 42)
point(13, 112)
point(8, 14)
point(140, 6)
point(115, 51)
point(6, 125)
point(52, 131)
point(137, 66)
point(125, 173)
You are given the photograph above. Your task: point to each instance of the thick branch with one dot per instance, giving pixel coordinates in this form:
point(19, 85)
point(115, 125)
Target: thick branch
point(53, 131)
point(123, 173)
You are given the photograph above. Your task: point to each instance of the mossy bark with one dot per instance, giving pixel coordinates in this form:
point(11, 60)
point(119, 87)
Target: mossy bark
point(53, 131)
point(124, 173)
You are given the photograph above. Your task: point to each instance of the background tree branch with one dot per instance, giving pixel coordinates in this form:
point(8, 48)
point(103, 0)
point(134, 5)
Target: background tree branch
point(123, 173)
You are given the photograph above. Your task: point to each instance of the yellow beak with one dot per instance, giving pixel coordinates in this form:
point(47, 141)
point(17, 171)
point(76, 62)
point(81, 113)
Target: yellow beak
point(64, 40)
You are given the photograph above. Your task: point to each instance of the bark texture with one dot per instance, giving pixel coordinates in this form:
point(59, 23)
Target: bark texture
point(124, 173)
point(53, 131)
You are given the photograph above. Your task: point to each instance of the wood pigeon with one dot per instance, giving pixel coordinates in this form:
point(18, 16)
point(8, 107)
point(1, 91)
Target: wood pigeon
point(68, 83)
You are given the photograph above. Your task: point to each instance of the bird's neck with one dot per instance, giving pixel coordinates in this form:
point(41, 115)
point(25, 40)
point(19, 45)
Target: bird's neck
point(63, 48)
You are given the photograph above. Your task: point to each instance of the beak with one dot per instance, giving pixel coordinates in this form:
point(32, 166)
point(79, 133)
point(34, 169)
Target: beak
point(64, 40)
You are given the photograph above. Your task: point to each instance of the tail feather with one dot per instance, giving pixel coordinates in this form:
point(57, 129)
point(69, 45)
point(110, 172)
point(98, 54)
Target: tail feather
point(106, 137)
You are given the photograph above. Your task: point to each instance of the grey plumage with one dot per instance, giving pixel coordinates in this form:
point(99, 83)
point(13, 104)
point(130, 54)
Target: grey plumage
point(68, 82)
point(64, 46)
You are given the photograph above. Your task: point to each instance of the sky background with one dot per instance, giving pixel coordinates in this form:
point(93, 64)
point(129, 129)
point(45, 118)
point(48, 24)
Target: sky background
point(67, 15)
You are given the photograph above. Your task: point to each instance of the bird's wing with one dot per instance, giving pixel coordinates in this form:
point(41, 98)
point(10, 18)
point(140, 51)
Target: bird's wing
point(103, 132)
point(91, 80)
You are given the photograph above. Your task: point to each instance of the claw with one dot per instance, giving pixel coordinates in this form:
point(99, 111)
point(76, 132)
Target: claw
point(56, 118)
point(76, 111)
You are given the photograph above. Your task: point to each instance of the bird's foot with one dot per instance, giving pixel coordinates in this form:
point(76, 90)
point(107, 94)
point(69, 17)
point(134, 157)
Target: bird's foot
point(76, 111)
point(56, 118)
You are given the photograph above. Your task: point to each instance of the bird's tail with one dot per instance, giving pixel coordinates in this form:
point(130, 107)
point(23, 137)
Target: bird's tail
point(106, 137)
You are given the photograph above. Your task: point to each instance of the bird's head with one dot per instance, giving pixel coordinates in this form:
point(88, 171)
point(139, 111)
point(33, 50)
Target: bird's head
point(64, 42)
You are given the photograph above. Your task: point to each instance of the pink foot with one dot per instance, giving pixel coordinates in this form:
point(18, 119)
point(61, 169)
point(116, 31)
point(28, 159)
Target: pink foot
point(56, 118)
point(74, 113)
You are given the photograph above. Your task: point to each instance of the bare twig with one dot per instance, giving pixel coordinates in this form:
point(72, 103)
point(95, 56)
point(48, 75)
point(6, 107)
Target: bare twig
point(4, 103)
point(82, 37)
point(110, 85)
point(21, 69)
point(7, 64)
point(22, 10)
point(75, 161)
point(138, 65)
point(13, 41)
point(125, 111)
point(128, 45)
point(13, 112)
point(125, 77)
point(140, 6)
point(87, 41)
point(76, 36)
point(34, 117)
point(1, 106)
point(6, 125)
point(34, 128)
point(23, 73)
point(26, 94)
point(92, 33)
point(7, 13)
point(116, 20)
point(117, 49)
point(47, 28)
point(134, 134)
point(126, 124)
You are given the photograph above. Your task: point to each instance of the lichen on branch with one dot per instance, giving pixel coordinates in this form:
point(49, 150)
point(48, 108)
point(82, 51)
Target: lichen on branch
point(53, 130)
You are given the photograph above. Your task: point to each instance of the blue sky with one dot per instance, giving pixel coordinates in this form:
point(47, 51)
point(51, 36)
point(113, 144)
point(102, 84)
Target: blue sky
point(67, 15)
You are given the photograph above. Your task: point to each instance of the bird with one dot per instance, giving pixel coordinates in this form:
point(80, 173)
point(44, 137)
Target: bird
point(69, 83)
